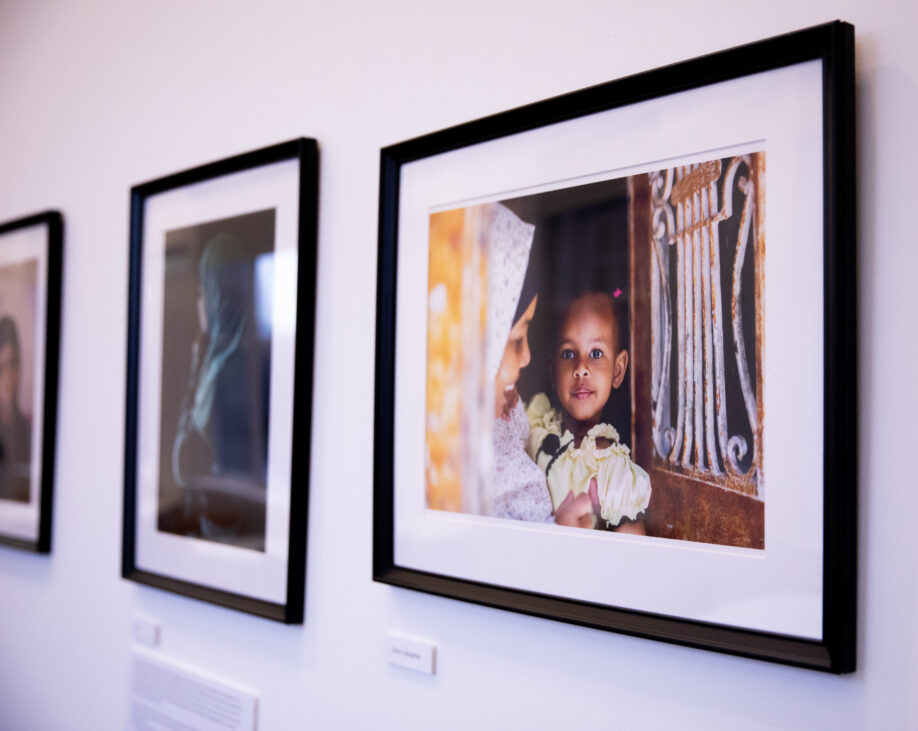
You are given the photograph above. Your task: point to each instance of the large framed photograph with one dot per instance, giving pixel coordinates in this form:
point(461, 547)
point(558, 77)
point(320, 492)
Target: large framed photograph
point(219, 392)
point(30, 303)
point(615, 356)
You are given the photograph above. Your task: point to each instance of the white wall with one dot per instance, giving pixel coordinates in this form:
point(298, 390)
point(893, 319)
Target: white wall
point(96, 96)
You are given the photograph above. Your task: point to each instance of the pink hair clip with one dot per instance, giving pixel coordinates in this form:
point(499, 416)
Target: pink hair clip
point(617, 293)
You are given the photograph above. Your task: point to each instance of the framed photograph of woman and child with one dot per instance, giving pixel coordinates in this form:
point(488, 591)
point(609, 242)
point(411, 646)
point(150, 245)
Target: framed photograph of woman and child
point(615, 382)
point(221, 321)
point(30, 303)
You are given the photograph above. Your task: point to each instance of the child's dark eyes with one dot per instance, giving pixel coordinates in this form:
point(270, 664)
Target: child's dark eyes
point(568, 354)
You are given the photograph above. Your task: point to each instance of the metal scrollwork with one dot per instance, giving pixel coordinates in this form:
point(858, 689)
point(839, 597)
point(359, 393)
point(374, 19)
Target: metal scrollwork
point(690, 426)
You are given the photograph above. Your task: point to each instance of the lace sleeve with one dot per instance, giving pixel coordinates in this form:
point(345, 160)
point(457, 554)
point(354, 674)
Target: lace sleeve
point(526, 502)
point(518, 490)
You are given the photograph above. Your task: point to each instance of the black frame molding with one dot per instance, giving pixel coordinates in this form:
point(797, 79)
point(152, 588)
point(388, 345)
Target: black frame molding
point(55, 251)
point(833, 44)
point(306, 152)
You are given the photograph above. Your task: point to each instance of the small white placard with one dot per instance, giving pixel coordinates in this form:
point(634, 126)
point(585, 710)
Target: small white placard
point(411, 653)
point(145, 630)
point(168, 695)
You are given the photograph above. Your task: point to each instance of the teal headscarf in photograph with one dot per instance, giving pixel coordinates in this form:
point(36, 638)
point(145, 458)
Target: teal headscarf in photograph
point(224, 276)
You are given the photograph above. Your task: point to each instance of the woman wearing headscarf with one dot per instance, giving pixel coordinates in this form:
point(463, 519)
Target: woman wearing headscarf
point(518, 488)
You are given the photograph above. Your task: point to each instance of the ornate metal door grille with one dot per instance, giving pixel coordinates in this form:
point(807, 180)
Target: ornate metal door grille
point(707, 246)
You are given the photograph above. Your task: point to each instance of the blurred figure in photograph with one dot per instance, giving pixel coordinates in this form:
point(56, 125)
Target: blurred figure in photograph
point(219, 456)
point(15, 428)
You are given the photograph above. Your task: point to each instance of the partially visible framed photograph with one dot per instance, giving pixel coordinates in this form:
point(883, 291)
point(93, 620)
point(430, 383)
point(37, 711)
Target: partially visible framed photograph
point(219, 394)
point(615, 371)
point(30, 303)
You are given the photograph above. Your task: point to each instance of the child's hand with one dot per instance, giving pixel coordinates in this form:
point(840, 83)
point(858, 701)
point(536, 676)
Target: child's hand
point(594, 497)
point(575, 511)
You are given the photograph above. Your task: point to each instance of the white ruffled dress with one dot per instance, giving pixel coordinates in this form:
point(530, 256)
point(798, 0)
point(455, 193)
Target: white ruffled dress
point(623, 487)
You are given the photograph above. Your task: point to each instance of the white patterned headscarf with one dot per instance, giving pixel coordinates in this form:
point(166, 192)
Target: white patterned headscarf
point(509, 241)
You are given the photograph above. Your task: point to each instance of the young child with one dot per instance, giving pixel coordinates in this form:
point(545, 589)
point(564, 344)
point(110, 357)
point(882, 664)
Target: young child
point(572, 447)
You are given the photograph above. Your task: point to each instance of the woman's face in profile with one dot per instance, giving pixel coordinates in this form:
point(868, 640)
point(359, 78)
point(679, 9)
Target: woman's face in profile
point(516, 357)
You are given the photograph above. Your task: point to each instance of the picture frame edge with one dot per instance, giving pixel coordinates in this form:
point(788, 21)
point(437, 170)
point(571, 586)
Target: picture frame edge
point(840, 458)
point(833, 43)
point(304, 150)
point(54, 220)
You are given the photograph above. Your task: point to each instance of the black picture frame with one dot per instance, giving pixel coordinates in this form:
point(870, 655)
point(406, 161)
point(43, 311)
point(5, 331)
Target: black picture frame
point(29, 526)
point(833, 650)
point(286, 227)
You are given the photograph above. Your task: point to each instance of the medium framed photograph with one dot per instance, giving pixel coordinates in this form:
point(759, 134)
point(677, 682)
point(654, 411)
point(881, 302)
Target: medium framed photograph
point(615, 372)
point(30, 303)
point(219, 391)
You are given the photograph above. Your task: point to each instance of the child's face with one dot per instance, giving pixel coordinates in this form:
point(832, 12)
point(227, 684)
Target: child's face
point(589, 363)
